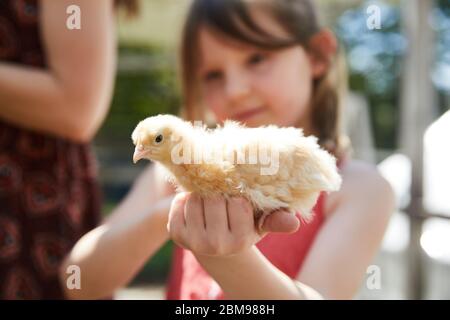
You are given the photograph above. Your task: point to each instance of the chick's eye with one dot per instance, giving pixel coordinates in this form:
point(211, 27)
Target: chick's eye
point(159, 138)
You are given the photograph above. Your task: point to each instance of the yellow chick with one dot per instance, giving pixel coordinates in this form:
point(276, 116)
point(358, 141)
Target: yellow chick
point(274, 168)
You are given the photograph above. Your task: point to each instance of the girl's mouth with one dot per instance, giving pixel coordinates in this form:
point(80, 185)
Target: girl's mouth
point(245, 115)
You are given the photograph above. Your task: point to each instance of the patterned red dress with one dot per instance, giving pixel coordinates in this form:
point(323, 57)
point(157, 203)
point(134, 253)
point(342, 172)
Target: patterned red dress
point(49, 195)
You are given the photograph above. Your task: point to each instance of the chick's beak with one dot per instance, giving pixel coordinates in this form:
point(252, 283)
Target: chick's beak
point(139, 153)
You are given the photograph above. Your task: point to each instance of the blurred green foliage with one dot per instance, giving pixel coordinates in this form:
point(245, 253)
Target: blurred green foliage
point(374, 60)
point(141, 90)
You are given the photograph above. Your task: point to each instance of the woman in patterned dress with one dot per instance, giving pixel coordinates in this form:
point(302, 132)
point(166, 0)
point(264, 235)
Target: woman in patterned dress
point(55, 88)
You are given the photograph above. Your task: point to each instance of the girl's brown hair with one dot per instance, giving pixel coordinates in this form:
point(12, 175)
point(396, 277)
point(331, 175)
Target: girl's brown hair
point(232, 19)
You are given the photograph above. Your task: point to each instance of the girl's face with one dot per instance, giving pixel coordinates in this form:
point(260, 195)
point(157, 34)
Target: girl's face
point(252, 85)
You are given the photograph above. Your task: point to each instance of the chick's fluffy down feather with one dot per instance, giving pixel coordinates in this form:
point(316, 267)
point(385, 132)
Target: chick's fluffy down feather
point(272, 167)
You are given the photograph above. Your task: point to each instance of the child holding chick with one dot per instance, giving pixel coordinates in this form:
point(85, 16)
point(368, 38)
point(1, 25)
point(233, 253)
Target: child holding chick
point(257, 62)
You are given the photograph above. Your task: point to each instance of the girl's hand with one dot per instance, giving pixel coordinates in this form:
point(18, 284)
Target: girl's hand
point(220, 227)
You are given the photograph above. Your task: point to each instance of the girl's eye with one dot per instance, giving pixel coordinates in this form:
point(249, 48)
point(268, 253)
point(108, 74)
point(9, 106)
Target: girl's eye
point(159, 138)
point(256, 59)
point(213, 75)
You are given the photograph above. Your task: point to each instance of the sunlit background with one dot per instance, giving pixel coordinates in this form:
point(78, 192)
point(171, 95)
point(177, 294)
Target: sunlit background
point(399, 81)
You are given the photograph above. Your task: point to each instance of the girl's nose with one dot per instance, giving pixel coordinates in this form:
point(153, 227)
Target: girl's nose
point(237, 86)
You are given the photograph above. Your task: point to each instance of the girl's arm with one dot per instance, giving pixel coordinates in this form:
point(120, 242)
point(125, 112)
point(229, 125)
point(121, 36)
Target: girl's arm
point(111, 255)
point(249, 275)
point(357, 218)
point(71, 98)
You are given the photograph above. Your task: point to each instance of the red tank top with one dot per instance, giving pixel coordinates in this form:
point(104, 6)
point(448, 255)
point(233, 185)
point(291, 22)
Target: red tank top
point(189, 281)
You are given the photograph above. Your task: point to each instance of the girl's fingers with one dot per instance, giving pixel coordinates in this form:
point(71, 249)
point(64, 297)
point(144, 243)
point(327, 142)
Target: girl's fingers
point(176, 224)
point(215, 210)
point(194, 215)
point(240, 215)
point(281, 221)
